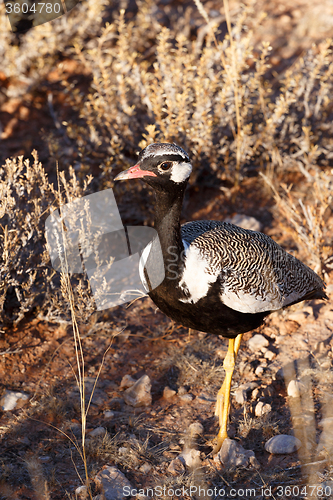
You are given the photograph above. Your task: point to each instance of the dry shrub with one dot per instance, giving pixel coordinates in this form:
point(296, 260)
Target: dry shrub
point(27, 278)
point(185, 92)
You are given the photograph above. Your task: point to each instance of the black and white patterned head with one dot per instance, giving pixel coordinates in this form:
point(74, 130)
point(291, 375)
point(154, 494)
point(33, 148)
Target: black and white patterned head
point(161, 165)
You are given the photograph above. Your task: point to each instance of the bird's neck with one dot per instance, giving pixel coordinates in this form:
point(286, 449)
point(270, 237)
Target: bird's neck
point(167, 224)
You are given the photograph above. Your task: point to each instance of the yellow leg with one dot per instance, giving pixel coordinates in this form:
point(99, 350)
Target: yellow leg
point(223, 396)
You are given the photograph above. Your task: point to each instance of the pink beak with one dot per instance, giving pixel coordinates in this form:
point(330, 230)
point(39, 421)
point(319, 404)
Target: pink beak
point(134, 173)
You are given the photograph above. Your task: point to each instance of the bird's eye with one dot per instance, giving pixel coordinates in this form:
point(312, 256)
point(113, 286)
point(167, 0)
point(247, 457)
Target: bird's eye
point(165, 165)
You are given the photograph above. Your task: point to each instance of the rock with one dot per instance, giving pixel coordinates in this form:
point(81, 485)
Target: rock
point(259, 370)
point(168, 393)
point(176, 467)
point(294, 389)
point(186, 398)
point(196, 429)
point(126, 382)
point(270, 355)
point(81, 493)
point(98, 431)
point(233, 454)
point(114, 483)
point(262, 408)
point(257, 343)
point(282, 444)
point(191, 457)
point(139, 394)
point(182, 391)
point(145, 468)
point(242, 392)
point(245, 221)
point(108, 414)
point(12, 399)
point(298, 316)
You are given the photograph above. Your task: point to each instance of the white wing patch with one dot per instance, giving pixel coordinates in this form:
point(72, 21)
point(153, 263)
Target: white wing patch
point(142, 263)
point(195, 280)
point(253, 303)
point(180, 171)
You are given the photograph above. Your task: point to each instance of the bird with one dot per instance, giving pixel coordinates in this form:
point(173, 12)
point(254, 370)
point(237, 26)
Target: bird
point(218, 278)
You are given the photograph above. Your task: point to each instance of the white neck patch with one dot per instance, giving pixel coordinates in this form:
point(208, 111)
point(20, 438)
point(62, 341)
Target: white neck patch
point(180, 172)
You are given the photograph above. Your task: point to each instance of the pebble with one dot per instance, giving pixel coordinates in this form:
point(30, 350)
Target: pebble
point(259, 370)
point(139, 394)
point(245, 221)
point(262, 408)
point(270, 355)
point(81, 492)
point(282, 444)
point(145, 468)
point(168, 393)
point(113, 482)
point(191, 457)
point(176, 467)
point(126, 382)
point(243, 389)
point(298, 316)
point(12, 399)
point(257, 342)
point(294, 389)
point(108, 414)
point(186, 398)
point(233, 454)
point(98, 431)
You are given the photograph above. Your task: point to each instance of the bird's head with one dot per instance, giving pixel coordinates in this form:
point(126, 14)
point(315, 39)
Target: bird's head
point(161, 165)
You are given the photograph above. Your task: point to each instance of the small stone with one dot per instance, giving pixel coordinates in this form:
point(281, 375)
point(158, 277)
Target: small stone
point(139, 394)
point(186, 398)
point(12, 399)
point(298, 316)
point(255, 394)
point(176, 467)
point(126, 382)
point(282, 444)
point(182, 391)
point(113, 483)
point(145, 468)
point(168, 393)
point(233, 454)
point(196, 429)
point(294, 389)
point(98, 431)
point(257, 343)
point(108, 414)
point(81, 492)
point(262, 408)
point(191, 458)
point(241, 393)
point(270, 355)
point(259, 371)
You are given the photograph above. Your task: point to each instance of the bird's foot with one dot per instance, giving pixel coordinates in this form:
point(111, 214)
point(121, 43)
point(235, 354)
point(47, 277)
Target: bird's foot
point(222, 435)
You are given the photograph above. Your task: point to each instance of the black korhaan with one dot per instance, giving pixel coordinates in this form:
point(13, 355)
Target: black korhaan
point(219, 278)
